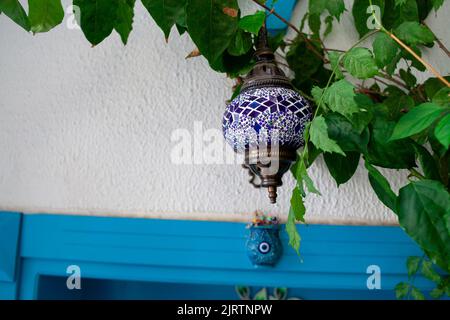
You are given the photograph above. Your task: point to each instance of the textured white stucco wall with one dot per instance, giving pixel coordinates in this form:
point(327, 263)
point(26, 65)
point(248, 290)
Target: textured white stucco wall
point(88, 130)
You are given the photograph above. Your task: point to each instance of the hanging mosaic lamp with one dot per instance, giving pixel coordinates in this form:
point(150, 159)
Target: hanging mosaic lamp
point(267, 119)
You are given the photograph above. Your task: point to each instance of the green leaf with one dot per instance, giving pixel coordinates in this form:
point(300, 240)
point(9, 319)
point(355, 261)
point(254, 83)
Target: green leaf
point(413, 61)
point(307, 180)
point(340, 97)
point(427, 162)
point(329, 26)
point(392, 66)
point(302, 22)
point(437, 4)
point(442, 131)
point(302, 61)
point(363, 16)
point(429, 273)
point(416, 120)
point(334, 58)
point(243, 292)
point(311, 154)
point(396, 15)
point(302, 177)
point(240, 44)
point(400, 2)
point(432, 86)
point(297, 206)
point(409, 79)
point(236, 91)
point(347, 137)
point(421, 208)
point(314, 23)
point(167, 12)
point(316, 6)
point(14, 10)
point(442, 97)
point(401, 290)
point(97, 18)
point(341, 167)
point(209, 27)
point(234, 65)
point(381, 187)
point(320, 138)
point(277, 41)
point(317, 93)
point(335, 7)
point(416, 294)
point(437, 293)
point(45, 14)
point(280, 293)
point(261, 295)
point(412, 264)
point(414, 33)
point(124, 22)
point(308, 68)
point(405, 290)
point(360, 63)
point(447, 222)
point(181, 23)
point(291, 229)
point(361, 119)
point(252, 23)
point(437, 147)
point(389, 154)
point(397, 103)
point(385, 49)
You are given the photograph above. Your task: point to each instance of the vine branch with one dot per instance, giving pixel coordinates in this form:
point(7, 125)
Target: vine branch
point(305, 148)
point(415, 55)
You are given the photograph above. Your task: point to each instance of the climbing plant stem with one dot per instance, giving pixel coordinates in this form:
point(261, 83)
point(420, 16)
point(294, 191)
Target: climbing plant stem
point(319, 104)
point(415, 55)
point(404, 46)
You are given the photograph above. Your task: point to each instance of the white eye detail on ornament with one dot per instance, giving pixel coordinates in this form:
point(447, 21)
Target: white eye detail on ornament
point(264, 247)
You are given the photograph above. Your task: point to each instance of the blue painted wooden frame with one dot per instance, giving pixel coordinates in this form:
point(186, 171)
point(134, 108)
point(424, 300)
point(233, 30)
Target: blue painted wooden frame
point(333, 258)
point(283, 8)
point(10, 224)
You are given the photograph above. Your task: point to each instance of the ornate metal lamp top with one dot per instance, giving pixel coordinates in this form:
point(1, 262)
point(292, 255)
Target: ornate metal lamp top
point(265, 73)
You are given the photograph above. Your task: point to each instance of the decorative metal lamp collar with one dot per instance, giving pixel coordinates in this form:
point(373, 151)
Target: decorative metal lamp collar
point(267, 119)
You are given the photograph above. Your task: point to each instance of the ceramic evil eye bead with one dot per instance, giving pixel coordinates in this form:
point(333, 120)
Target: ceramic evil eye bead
point(264, 247)
point(266, 114)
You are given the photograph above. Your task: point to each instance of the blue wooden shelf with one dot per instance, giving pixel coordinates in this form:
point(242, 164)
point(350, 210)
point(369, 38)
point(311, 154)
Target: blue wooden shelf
point(158, 259)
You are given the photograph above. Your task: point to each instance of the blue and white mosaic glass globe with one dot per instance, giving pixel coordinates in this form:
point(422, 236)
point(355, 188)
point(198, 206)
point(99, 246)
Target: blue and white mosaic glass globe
point(265, 114)
point(266, 121)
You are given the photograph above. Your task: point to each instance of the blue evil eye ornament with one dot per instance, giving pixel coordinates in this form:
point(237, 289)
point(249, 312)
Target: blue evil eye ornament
point(266, 121)
point(264, 246)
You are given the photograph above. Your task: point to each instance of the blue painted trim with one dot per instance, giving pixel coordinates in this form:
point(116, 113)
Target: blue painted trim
point(192, 254)
point(9, 241)
point(10, 224)
point(283, 8)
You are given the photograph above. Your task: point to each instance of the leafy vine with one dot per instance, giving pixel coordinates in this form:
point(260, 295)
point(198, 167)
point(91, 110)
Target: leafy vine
point(368, 102)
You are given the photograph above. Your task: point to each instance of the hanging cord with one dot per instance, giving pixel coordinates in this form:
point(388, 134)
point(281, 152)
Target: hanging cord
point(252, 177)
